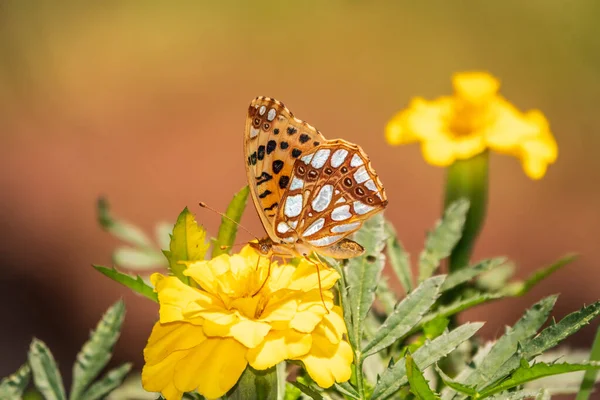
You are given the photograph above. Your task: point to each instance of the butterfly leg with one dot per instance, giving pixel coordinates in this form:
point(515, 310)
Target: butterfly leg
point(319, 279)
point(268, 275)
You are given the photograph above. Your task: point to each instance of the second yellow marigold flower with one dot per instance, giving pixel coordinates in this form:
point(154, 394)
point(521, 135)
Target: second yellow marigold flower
point(206, 337)
point(474, 119)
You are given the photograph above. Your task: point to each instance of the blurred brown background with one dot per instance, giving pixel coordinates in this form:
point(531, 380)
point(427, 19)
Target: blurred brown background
point(145, 103)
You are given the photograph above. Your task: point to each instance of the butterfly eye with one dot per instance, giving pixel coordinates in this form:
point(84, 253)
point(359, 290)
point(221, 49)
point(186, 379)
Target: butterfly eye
point(266, 126)
point(348, 182)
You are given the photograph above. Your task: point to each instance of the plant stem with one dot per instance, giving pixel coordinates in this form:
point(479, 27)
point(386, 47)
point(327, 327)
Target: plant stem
point(468, 179)
point(589, 379)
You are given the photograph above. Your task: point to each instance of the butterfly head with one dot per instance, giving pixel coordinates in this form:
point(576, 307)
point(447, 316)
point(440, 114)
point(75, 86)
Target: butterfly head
point(263, 246)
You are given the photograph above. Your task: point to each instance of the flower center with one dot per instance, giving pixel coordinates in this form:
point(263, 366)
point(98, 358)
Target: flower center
point(474, 96)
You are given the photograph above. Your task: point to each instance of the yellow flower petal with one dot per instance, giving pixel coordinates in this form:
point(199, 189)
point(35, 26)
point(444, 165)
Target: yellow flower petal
point(212, 368)
point(167, 344)
point(438, 152)
point(175, 297)
point(468, 146)
point(396, 131)
point(305, 277)
point(428, 120)
point(247, 332)
point(311, 310)
point(475, 87)
point(327, 363)
point(279, 346)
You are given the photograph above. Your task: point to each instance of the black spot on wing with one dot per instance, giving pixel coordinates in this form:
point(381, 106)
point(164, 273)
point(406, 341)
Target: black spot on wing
point(261, 152)
point(284, 145)
point(283, 181)
point(264, 194)
point(304, 138)
point(291, 130)
point(264, 177)
point(277, 166)
point(276, 131)
point(271, 207)
point(271, 146)
point(296, 153)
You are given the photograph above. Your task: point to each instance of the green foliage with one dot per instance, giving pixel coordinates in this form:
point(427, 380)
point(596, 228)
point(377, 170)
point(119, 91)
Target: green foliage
point(521, 288)
point(399, 258)
point(256, 385)
point(228, 230)
point(92, 358)
point(418, 384)
point(443, 238)
point(97, 351)
point(187, 244)
point(589, 379)
point(136, 284)
point(140, 253)
point(13, 386)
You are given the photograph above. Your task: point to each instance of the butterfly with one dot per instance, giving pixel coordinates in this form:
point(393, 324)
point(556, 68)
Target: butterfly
point(310, 193)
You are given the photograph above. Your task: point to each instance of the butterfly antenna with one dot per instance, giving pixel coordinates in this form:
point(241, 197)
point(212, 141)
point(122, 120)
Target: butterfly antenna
point(204, 205)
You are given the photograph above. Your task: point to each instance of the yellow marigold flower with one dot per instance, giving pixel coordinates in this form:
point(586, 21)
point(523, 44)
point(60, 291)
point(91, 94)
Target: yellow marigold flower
point(474, 119)
point(207, 336)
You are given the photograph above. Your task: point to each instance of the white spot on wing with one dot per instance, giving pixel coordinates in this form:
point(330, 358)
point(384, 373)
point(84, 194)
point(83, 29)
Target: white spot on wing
point(254, 132)
point(356, 161)
point(362, 208)
point(320, 158)
point(293, 206)
point(297, 183)
point(345, 228)
point(321, 202)
point(371, 185)
point(341, 200)
point(324, 241)
point(262, 110)
point(361, 175)
point(271, 114)
point(307, 158)
point(338, 157)
point(282, 227)
point(341, 213)
point(314, 227)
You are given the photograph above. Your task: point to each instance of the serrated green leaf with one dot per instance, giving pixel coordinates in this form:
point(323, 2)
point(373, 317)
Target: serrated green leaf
point(418, 384)
point(455, 307)
point(138, 259)
point(97, 351)
point(458, 387)
point(255, 385)
point(13, 386)
point(431, 352)
point(526, 373)
point(228, 229)
point(136, 283)
point(347, 389)
point(406, 315)
point(521, 395)
point(496, 279)
point(548, 338)
point(385, 296)
point(443, 238)
point(521, 288)
point(310, 392)
point(399, 258)
point(108, 383)
point(187, 244)
point(46, 375)
point(506, 346)
point(363, 273)
point(464, 275)
point(120, 229)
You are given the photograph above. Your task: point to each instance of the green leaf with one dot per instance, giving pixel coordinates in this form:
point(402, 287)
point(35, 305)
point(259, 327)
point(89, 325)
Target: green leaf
point(255, 385)
point(589, 379)
point(418, 384)
point(310, 392)
point(97, 351)
point(406, 315)
point(526, 373)
point(138, 259)
point(136, 284)
point(46, 375)
point(228, 229)
point(399, 258)
point(459, 387)
point(464, 275)
point(364, 272)
point(443, 238)
point(520, 288)
point(187, 244)
point(549, 338)
point(13, 386)
point(346, 389)
point(385, 295)
point(431, 352)
point(506, 346)
point(121, 229)
point(496, 279)
point(163, 234)
point(108, 383)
